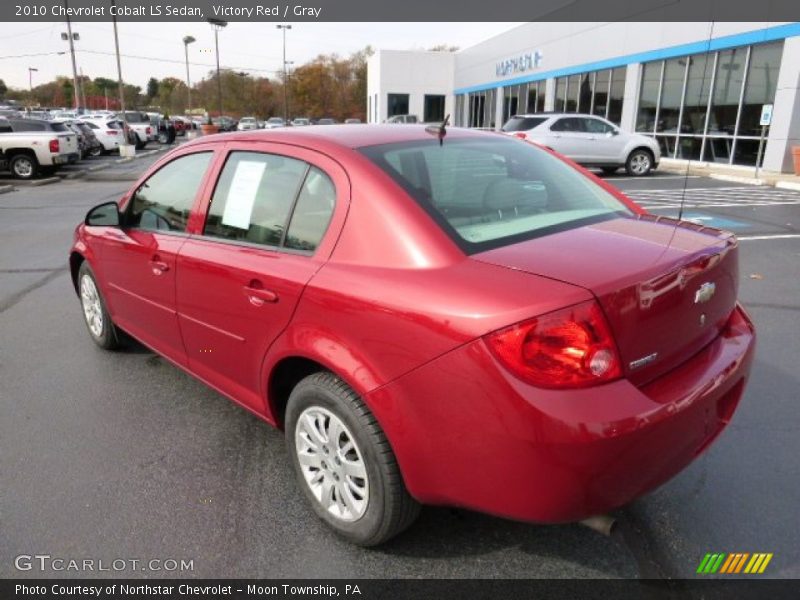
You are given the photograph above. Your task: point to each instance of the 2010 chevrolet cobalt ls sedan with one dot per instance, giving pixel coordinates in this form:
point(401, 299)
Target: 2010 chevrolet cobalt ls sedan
point(461, 319)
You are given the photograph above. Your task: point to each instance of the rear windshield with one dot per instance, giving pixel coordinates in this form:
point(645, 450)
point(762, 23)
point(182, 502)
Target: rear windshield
point(136, 118)
point(491, 191)
point(523, 123)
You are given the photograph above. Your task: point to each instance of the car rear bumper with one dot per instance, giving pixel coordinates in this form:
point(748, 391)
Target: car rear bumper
point(63, 159)
point(468, 434)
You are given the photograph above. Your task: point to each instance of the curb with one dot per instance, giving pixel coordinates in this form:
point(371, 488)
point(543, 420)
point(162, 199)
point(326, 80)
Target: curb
point(4, 189)
point(46, 181)
point(788, 185)
point(737, 179)
point(98, 167)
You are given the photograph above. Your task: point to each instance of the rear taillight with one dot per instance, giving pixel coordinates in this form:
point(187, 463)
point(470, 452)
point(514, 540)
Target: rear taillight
point(112, 132)
point(520, 135)
point(568, 348)
point(54, 146)
point(149, 131)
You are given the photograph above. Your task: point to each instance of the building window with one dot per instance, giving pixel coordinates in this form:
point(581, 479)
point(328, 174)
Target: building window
point(433, 109)
point(616, 95)
point(648, 97)
point(707, 106)
point(595, 92)
point(397, 104)
point(561, 94)
point(511, 103)
point(481, 109)
point(535, 97)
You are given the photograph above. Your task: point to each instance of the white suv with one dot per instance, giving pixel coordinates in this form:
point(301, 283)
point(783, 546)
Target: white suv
point(588, 140)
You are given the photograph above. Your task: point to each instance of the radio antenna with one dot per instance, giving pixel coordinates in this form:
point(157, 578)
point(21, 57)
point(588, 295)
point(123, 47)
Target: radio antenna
point(706, 113)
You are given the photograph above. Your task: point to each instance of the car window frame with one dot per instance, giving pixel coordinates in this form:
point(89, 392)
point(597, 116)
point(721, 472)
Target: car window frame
point(562, 119)
point(126, 203)
point(312, 157)
point(609, 126)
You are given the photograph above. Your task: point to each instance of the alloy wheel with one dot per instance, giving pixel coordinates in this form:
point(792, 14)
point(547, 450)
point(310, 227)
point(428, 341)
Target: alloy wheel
point(332, 464)
point(92, 309)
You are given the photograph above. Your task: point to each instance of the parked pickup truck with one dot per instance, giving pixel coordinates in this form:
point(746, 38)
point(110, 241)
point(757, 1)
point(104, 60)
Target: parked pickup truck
point(26, 150)
point(141, 125)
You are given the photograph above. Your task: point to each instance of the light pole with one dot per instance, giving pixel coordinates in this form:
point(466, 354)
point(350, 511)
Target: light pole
point(287, 68)
point(218, 24)
point(31, 71)
point(285, 83)
point(186, 41)
point(72, 37)
point(119, 76)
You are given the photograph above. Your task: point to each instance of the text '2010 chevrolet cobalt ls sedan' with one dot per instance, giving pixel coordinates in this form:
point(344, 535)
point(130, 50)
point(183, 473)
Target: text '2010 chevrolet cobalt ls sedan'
point(461, 319)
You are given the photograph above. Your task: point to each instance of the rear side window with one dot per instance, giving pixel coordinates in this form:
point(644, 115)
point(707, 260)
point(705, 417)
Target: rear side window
point(568, 124)
point(491, 191)
point(271, 200)
point(164, 201)
point(23, 126)
point(313, 211)
point(523, 123)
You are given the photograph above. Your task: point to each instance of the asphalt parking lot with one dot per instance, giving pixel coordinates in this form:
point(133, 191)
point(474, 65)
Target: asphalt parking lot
point(121, 455)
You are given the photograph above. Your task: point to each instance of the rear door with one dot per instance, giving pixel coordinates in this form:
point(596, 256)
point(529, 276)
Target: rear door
point(270, 224)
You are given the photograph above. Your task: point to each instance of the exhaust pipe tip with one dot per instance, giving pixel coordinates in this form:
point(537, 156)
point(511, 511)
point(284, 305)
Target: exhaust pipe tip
point(603, 524)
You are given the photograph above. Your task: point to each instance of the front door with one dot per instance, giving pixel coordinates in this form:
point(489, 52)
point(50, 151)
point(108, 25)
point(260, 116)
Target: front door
point(240, 281)
point(139, 260)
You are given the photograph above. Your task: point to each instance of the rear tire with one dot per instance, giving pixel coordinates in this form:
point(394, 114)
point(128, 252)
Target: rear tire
point(639, 163)
point(96, 151)
point(95, 315)
point(348, 473)
point(23, 166)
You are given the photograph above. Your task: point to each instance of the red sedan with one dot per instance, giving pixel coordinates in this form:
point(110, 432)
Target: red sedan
point(469, 321)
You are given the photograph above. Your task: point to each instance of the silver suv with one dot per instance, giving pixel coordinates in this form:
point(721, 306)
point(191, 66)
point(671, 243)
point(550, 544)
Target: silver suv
point(588, 140)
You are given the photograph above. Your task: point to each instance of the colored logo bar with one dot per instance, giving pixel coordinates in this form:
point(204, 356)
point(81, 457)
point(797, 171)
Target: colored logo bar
point(734, 563)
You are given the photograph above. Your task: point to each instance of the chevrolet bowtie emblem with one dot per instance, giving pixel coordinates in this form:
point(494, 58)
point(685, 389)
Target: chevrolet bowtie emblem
point(704, 293)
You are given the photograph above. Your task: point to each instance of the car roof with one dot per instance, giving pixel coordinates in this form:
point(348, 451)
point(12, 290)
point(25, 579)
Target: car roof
point(350, 136)
point(554, 114)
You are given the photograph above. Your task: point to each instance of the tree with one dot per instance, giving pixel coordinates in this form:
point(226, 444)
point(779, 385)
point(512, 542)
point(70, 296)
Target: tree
point(152, 88)
point(3, 88)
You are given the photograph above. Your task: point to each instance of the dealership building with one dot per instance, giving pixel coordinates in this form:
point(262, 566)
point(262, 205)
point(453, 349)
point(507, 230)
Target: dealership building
point(703, 90)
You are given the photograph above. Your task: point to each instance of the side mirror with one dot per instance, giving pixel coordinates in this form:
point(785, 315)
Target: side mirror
point(104, 215)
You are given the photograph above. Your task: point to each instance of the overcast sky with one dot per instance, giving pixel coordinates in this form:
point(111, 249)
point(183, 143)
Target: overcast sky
point(252, 47)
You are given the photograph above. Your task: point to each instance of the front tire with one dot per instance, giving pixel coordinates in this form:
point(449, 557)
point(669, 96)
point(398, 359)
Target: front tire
point(23, 166)
point(639, 163)
point(344, 463)
point(95, 315)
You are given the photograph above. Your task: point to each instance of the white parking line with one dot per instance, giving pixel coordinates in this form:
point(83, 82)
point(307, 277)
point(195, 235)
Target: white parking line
point(777, 236)
point(659, 178)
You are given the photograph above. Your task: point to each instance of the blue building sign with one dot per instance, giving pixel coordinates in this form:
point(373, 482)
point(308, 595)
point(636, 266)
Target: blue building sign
point(519, 64)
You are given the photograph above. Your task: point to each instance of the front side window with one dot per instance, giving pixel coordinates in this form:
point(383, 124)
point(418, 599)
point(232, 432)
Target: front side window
point(597, 126)
point(164, 201)
point(486, 193)
point(271, 200)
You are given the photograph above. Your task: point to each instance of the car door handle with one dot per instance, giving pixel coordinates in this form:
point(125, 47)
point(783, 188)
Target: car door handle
point(257, 295)
point(158, 266)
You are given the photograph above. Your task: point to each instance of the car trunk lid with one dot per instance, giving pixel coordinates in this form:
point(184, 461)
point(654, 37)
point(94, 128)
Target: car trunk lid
point(667, 287)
